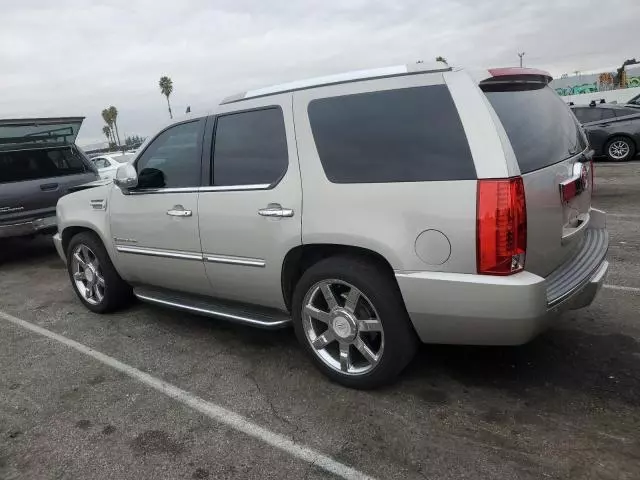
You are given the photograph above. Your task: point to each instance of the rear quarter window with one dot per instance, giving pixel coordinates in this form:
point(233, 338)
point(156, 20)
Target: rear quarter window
point(540, 126)
point(404, 135)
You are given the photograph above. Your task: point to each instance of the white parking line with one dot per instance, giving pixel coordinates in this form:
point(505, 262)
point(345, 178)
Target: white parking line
point(622, 215)
point(213, 411)
point(623, 288)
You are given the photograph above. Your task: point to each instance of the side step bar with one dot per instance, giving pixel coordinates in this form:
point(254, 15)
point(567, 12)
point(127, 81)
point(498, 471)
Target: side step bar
point(247, 315)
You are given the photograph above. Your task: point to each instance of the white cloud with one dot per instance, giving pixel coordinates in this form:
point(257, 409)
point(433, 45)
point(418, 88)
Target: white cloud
point(73, 57)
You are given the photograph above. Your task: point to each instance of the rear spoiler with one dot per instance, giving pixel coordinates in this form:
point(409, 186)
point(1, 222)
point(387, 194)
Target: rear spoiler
point(517, 75)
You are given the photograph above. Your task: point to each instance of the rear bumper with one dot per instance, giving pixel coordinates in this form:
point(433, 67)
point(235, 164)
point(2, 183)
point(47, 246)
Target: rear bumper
point(30, 227)
point(485, 310)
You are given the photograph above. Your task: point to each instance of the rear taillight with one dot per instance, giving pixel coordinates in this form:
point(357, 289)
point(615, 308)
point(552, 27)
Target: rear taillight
point(501, 226)
point(592, 168)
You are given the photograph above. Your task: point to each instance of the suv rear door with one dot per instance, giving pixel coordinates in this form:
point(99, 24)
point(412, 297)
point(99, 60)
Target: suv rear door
point(551, 152)
point(38, 164)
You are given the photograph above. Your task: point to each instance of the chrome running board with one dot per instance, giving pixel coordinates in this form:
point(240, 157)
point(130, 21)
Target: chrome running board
point(247, 315)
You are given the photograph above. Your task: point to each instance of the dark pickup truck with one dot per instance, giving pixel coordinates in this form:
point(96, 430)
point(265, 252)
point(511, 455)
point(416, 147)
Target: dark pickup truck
point(39, 163)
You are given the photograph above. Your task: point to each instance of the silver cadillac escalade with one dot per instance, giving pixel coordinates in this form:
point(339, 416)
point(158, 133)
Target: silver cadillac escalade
point(371, 210)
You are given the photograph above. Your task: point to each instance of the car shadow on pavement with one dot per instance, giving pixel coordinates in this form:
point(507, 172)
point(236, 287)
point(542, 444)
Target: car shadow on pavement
point(26, 249)
point(603, 366)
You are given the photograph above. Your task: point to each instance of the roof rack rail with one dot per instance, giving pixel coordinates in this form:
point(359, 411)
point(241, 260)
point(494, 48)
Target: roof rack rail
point(347, 77)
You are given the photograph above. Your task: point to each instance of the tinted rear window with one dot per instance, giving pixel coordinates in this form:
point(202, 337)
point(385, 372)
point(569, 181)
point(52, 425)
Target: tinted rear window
point(24, 165)
point(540, 126)
point(406, 135)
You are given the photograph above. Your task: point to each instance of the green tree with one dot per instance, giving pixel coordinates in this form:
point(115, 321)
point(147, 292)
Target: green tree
point(106, 116)
point(107, 133)
point(113, 114)
point(166, 88)
point(442, 59)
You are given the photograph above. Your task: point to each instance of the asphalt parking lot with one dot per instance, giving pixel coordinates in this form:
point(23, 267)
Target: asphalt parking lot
point(566, 405)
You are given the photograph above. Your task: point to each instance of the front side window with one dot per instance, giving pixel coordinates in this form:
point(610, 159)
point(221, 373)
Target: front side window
point(405, 135)
point(172, 159)
point(250, 148)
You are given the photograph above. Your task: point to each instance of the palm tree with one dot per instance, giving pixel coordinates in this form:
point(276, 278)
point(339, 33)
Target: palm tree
point(107, 133)
point(113, 114)
point(166, 87)
point(441, 59)
point(106, 116)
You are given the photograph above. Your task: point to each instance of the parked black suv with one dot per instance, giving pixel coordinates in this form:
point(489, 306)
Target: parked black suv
point(39, 163)
point(613, 130)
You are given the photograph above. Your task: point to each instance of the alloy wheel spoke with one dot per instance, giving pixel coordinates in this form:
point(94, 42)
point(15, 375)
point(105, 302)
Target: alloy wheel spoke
point(317, 314)
point(86, 253)
point(370, 325)
point(79, 276)
point(99, 280)
point(323, 340)
point(328, 296)
point(96, 293)
point(352, 299)
point(365, 351)
point(79, 259)
point(345, 360)
point(88, 292)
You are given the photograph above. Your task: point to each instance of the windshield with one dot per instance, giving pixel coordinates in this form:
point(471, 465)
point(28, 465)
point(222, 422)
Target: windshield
point(541, 128)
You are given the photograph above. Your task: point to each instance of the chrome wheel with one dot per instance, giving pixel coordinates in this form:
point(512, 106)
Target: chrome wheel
point(619, 149)
point(87, 274)
point(343, 327)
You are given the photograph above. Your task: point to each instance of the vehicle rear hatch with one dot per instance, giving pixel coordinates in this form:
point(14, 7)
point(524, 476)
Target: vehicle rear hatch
point(39, 163)
point(554, 161)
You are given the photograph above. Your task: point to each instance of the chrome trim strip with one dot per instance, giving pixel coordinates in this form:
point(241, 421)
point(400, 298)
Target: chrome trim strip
point(212, 312)
point(158, 253)
point(248, 262)
point(226, 188)
point(235, 188)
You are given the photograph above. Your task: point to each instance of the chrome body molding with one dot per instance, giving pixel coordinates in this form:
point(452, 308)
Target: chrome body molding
point(226, 188)
point(243, 261)
point(158, 253)
point(248, 262)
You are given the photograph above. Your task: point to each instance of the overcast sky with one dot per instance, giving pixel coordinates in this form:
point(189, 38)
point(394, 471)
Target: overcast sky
point(76, 57)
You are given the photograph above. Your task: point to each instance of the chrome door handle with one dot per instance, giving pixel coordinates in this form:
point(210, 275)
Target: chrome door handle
point(275, 210)
point(179, 211)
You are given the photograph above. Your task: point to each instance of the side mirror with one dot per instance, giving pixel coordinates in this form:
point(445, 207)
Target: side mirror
point(126, 177)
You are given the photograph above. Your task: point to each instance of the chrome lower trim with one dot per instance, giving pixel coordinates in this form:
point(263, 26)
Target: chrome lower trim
point(158, 253)
point(212, 312)
point(248, 262)
point(236, 188)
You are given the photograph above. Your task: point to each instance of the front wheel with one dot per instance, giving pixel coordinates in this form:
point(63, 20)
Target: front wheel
point(620, 149)
point(350, 318)
point(93, 276)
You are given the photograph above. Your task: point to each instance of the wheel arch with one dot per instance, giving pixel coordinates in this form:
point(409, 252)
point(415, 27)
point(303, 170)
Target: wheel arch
point(302, 257)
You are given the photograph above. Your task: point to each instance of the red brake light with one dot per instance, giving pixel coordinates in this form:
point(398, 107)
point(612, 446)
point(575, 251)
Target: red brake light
point(593, 173)
point(501, 236)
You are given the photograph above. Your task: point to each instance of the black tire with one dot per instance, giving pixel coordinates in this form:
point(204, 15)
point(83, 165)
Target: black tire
point(380, 288)
point(630, 145)
point(117, 293)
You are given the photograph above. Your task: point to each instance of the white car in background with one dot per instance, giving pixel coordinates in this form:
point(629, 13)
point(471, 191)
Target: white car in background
point(108, 164)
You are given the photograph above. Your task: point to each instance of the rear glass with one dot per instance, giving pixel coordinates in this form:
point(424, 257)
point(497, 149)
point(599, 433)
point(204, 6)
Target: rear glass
point(405, 135)
point(540, 126)
point(21, 165)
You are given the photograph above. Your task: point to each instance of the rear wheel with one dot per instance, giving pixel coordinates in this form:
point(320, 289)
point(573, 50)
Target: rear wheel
point(93, 276)
point(620, 149)
point(350, 318)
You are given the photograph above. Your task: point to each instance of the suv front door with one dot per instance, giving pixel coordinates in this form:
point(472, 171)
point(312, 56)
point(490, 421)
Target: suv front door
point(155, 226)
point(251, 212)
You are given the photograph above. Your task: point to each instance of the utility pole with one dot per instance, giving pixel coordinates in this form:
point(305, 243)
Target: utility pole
point(521, 54)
